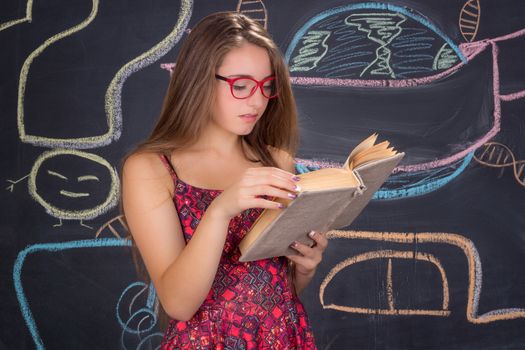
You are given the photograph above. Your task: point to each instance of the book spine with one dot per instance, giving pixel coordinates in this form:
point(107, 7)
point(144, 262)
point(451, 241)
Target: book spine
point(362, 187)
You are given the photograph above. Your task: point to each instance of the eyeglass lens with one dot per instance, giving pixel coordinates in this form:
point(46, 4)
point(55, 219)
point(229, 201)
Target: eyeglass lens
point(243, 88)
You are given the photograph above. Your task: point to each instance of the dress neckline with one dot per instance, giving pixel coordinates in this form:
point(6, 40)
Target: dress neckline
point(196, 187)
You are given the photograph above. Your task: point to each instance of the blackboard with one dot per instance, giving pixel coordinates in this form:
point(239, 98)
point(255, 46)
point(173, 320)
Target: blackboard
point(435, 261)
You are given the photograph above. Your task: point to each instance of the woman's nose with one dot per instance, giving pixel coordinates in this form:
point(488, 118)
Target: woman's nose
point(257, 99)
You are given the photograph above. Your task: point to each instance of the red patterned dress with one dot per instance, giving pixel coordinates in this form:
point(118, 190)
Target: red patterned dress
point(250, 305)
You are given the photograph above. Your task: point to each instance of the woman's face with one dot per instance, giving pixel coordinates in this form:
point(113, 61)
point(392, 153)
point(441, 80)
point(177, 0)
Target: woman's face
point(234, 115)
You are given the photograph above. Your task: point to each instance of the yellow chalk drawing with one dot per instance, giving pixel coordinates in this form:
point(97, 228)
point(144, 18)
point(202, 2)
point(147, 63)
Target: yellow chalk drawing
point(313, 50)
point(13, 183)
point(390, 295)
point(113, 93)
point(109, 198)
point(54, 173)
point(469, 19)
point(87, 178)
point(25, 71)
point(445, 58)
point(79, 179)
point(497, 155)
point(389, 286)
point(113, 230)
point(28, 17)
point(467, 247)
point(254, 9)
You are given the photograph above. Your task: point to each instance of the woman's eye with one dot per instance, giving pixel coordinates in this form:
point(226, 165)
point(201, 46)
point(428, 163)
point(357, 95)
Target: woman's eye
point(239, 87)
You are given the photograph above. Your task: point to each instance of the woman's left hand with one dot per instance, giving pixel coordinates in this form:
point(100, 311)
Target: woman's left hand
point(309, 256)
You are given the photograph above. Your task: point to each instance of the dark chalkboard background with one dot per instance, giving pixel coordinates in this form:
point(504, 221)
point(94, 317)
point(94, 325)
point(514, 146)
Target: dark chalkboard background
point(77, 92)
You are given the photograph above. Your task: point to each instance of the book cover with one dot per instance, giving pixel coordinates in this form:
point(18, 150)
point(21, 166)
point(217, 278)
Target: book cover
point(320, 209)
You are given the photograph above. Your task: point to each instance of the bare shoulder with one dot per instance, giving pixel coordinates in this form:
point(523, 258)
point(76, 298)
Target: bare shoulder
point(147, 168)
point(142, 163)
point(283, 159)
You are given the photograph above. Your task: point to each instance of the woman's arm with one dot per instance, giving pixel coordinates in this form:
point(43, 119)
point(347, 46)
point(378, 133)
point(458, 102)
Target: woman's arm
point(182, 275)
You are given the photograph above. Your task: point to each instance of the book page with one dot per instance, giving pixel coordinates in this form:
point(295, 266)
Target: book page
point(365, 144)
point(327, 178)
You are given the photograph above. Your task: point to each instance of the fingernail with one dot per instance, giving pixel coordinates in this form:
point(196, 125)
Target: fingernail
point(297, 188)
point(311, 234)
point(296, 178)
point(293, 245)
point(281, 205)
point(291, 195)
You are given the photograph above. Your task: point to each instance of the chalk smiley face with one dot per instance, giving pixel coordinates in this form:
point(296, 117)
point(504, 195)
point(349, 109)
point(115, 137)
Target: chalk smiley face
point(72, 184)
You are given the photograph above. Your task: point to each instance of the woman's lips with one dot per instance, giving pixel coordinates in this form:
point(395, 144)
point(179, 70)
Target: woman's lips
point(249, 117)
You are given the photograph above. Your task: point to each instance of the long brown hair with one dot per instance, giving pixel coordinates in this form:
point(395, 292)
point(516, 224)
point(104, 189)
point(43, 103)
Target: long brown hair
point(189, 98)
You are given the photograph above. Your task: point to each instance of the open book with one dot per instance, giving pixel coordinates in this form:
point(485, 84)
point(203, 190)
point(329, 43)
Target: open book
point(330, 198)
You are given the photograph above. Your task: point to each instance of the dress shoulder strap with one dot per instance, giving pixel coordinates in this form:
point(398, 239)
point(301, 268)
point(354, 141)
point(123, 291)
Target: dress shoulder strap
point(168, 165)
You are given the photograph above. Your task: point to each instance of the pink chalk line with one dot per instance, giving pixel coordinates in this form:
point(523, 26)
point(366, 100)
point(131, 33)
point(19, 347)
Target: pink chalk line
point(470, 51)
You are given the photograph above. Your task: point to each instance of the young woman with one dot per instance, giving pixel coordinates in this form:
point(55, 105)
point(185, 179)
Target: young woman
point(221, 150)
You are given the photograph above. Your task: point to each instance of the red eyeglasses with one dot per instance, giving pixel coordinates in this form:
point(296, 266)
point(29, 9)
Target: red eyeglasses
point(244, 87)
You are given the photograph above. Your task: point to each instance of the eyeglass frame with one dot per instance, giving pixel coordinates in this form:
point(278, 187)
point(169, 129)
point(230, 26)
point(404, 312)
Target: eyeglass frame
point(258, 84)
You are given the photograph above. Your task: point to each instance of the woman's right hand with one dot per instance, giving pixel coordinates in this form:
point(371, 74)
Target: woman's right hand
point(256, 182)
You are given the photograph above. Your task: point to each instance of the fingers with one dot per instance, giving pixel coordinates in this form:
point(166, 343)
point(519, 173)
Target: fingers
point(274, 177)
point(315, 251)
point(267, 204)
point(271, 191)
point(319, 244)
point(320, 240)
point(310, 256)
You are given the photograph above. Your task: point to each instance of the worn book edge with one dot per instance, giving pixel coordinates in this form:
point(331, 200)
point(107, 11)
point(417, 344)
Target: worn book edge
point(269, 242)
